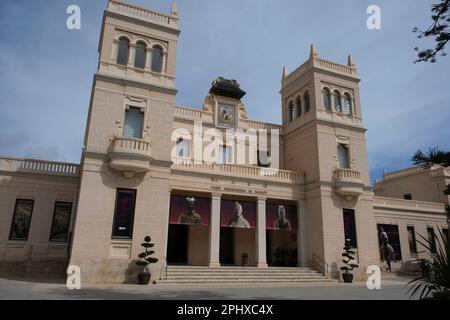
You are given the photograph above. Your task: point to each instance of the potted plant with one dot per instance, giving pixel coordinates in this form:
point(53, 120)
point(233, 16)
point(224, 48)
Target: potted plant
point(144, 260)
point(349, 265)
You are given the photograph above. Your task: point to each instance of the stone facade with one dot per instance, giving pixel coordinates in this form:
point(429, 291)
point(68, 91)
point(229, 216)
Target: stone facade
point(311, 174)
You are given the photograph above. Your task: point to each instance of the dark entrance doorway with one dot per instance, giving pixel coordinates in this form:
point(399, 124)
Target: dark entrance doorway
point(177, 245)
point(226, 246)
point(269, 251)
point(281, 248)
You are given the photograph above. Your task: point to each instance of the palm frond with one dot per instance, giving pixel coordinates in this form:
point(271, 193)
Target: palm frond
point(439, 277)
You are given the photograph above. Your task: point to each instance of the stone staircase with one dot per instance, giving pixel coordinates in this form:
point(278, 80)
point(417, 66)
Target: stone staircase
point(204, 275)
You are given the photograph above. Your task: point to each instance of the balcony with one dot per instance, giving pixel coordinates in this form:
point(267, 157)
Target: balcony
point(39, 167)
point(348, 183)
point(130, 156)
point(234, 170)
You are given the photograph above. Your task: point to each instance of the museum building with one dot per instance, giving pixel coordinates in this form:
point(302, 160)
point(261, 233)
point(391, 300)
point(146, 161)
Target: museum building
point(300, 191)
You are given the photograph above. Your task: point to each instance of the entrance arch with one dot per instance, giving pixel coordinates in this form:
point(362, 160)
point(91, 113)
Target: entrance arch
point(188, 232)
point(281, 234)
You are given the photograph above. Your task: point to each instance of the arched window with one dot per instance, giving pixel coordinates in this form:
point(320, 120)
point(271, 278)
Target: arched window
point(307, 103)
point(157, 59)
point(123, 51)
point(337, 101)
point(291, 110)
point(326, 98)
point(348, 106)
point(299, 106)
point(140, 56)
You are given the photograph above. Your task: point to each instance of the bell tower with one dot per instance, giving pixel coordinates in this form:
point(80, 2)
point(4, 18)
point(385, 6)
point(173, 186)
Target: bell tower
point(127, 150)
point(324, 137)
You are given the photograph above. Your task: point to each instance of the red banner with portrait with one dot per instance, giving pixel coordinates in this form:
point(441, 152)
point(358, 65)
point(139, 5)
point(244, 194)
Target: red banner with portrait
point(189, 210)
point(237, 214)
point(281, 217)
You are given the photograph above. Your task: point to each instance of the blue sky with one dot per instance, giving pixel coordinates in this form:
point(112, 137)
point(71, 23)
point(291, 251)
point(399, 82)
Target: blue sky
point(47, 70)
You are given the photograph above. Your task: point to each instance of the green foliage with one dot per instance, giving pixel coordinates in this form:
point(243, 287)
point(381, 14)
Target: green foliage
point(349, 256)
point(434, 284)
point(439, 30)
point(145, 257)
point(447, 190)
point(433, 156)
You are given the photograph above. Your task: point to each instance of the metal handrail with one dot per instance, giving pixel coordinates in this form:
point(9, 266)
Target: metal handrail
point(324, 267)
point(164, 269)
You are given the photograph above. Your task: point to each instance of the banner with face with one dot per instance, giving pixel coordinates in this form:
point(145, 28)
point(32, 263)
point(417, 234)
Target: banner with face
point(189, 210)
point(237, 214)
point(281, 217)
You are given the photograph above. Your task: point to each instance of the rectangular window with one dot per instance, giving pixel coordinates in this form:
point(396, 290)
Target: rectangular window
point(412, 240)
point(124, 214)
point(344, 162)
point(134, 123)
point(350, 227)
point(225, 154)
point(61, 222)
point(407, 196)
point(183, 148)
point(431, 240)
point(20, 226)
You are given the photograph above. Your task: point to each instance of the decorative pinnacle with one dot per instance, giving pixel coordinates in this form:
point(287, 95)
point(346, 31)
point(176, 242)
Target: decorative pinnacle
point(285, 72)
point(350, 62)
point(174, 11)
point(313, 52)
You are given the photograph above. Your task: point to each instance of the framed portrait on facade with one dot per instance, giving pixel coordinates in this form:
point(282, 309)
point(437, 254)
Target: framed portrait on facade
point(124, 214)
point(226, 115)
point(61, 222)
point(20, 226)
point(389, 233)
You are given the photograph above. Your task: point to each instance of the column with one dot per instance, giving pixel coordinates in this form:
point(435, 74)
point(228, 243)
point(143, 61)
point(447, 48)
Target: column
point(261, 261)
point(164, 62)
point(148, 61)
point(302, 236)
point(114, 50)
point(214, 232)
point(131, 55)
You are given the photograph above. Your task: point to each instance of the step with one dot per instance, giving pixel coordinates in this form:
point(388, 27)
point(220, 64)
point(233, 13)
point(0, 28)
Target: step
point(238, 267)
point(213, 281)
point(255, 276)
point(240, 271)
point(237, 274)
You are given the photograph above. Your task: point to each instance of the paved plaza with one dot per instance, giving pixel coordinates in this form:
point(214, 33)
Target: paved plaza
point(393, 288)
